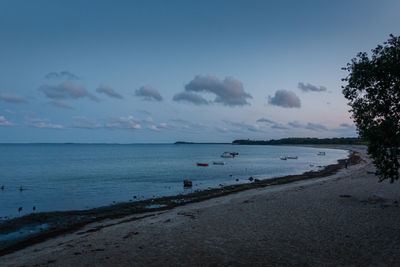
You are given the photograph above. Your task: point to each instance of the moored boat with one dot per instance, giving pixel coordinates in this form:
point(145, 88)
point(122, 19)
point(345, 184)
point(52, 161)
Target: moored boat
point(202, 164)
point(292, 157)
point(283, 158)
point(321, 153)
point(218, 163)
point(227, 155)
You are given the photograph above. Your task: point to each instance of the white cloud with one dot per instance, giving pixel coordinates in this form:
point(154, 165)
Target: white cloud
point(315, 127)
point(4, 122)
point(243, 127)
point(190, 97)
point(265, 120)
point(62, 75)
point(129, 123)
point(154, 128)
point(285, 99)
point(279, 126)
point(311, 88)
point(346, 130)
point(309, 126)
point(60, 104)
point(42, 123)
point(85, 123)
point(229, 92)
point(13, 98)
point(66, 90)
point(103, 89)
point(295, 124)
point(148, 93)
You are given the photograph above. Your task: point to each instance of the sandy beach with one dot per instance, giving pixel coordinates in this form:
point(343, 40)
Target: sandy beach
point(347, 218)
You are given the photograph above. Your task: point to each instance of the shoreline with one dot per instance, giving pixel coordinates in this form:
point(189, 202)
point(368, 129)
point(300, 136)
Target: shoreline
point(69, 221)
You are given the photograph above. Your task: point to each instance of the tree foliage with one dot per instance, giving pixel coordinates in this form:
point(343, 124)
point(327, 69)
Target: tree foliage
point(373, 90)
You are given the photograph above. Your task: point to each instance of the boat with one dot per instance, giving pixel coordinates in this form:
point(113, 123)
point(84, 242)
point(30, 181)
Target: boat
point(283, 158)
point(202, 164)
point(234, 153)
point(227, 155)
point(218, 163)
point(321, 153)
point(292, 157)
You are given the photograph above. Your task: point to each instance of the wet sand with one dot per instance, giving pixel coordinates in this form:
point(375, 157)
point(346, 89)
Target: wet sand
point(347, 218)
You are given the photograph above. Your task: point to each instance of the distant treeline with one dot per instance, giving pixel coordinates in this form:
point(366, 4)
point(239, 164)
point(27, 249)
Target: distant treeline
point(304, 141)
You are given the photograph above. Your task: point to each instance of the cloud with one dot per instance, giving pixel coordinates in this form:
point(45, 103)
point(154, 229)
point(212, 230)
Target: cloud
point(309, 126)
point(148, 119)
point(295, 124)
point(285, 99)
point(154, 128)
point(60, 104)
point(8, 111)
point(265, 120)
point(102, 89)
point(62, 75)
point(186, 125)
point(346, 130)
point(145, 112)
point(148, 93)
point(315, 127)
point(163, 125)
point(229, 92)
point(42, 123)
point(279, 126)
point(311, 88)
point(13, 98)
point(4, 122)
point(242, 126)
point(129, 123)
point(66, 90)
point(190, 97)
point(85, 123)
point(346, 125)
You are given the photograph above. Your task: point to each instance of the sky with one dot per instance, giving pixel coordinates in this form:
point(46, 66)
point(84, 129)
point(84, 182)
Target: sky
point(165, 71)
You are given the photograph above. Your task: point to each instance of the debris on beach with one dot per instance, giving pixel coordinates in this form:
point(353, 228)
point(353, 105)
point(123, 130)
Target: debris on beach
point(187, 183)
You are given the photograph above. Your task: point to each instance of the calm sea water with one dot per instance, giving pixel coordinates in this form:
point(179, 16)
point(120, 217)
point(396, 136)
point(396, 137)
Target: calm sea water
point(58, 177)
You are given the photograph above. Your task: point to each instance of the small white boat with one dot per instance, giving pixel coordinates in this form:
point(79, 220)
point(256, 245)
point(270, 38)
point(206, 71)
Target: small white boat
point(292, 157)
point(226, 155)
point(321, 153)
point(218, 163)
point(283, 158)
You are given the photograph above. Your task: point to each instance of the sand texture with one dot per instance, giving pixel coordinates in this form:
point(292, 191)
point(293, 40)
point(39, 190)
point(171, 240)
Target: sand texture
point(345, 219)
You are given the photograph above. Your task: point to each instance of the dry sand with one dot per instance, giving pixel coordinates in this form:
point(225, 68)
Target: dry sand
point(344, 219)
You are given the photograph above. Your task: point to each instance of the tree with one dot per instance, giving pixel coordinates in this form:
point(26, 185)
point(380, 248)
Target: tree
point(373, 91)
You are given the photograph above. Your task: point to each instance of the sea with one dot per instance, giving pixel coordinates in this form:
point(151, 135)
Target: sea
point(61, 177)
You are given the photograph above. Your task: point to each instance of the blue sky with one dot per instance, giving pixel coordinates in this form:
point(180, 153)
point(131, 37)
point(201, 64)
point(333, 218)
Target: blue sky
point(162, 71)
